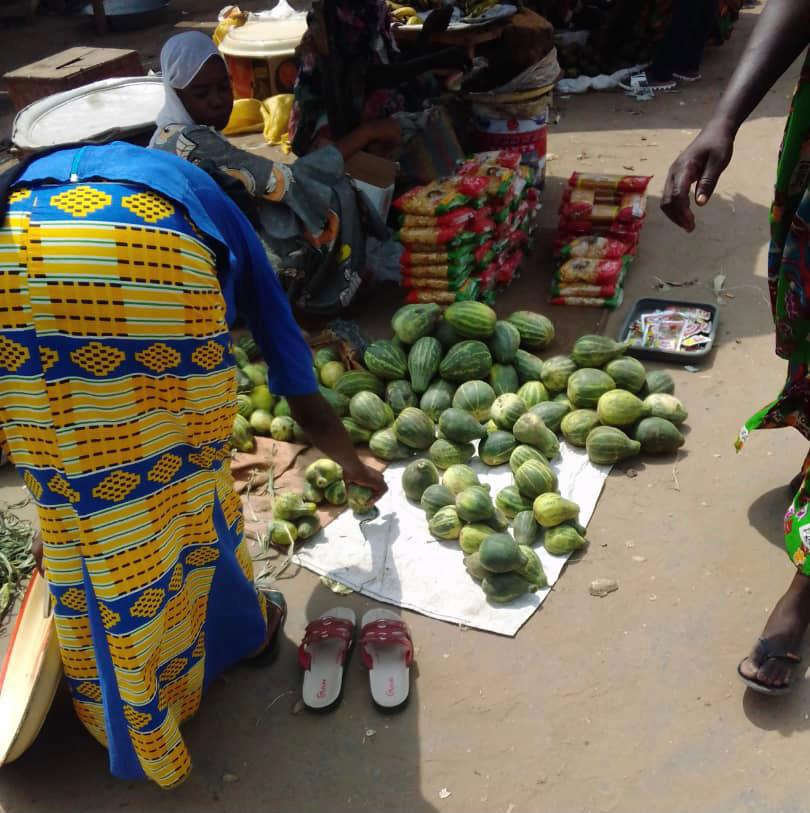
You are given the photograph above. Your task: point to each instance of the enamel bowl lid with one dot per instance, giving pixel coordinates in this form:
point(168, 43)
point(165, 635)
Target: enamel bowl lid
point(263, 39)
point(120, 107)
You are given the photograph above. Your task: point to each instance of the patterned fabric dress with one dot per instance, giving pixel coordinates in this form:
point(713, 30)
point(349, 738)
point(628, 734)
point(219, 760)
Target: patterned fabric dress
point(117, 396)
point(363, 38)
point(789, 284)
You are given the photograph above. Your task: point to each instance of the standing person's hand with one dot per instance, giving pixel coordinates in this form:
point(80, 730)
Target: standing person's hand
point(700, 164)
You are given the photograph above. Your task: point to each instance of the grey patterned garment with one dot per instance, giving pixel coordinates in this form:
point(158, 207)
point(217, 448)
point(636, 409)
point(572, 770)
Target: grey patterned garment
point(294, 202)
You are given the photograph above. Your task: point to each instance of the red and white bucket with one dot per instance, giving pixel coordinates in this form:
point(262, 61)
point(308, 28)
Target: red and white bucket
point(523, 135)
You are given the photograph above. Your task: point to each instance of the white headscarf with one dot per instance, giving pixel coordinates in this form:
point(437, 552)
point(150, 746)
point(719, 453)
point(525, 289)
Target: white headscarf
point(181, 59)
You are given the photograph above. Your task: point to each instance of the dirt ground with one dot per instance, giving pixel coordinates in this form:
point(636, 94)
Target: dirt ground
point(627, 703)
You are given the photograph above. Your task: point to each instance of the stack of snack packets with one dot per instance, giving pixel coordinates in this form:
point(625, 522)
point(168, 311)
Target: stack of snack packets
point(466, 235)
point(601, 217)
point(441, 226)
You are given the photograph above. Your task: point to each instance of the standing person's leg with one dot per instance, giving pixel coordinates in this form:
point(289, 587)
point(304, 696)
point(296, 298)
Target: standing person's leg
point(679, 37)
point(687, 65)
point(769, 667)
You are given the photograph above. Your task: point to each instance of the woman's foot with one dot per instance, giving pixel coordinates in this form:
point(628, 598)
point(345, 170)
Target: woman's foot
point(771, 662)
point(276, 616)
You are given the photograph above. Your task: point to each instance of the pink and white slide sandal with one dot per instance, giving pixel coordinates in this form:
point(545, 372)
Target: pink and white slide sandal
point(322, 655)
point(387, 651)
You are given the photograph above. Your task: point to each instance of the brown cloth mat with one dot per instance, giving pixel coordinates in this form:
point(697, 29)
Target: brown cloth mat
point(287, 463)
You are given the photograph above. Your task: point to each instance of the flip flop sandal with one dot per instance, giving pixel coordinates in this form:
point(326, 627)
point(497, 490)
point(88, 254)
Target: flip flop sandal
point(767, 655)
point(387, 652)
point(276, 608)
point(322, 655)
point(683, 77)
point(655, 87)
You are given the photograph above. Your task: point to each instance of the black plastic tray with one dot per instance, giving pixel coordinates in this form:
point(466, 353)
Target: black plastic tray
point(647, 304)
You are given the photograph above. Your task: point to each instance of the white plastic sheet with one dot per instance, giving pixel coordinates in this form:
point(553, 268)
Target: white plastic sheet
point(394, 558)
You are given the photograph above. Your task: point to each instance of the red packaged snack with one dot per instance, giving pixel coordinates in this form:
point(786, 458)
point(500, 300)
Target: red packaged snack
point(452, 220)
point(594, 247)
point(589, 301)
point(483, 253)
point(460, 256)
point(423, 236)
point(433, 283)
point(473, 186)
point(619, 183)
point(496, 180)
point(581, 226)
point(508, 266)
point(435, 272)
point(488, 278)
point(593, 272)
point(581, 289)
point(468, 291)
point(602, 207)
point(435, 198)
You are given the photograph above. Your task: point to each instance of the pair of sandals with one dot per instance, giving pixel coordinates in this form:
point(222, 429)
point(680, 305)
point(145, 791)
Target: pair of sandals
point(386, 649)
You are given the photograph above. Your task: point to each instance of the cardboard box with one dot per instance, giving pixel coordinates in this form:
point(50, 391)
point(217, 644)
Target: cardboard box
point(67, 70)
point(375, 177)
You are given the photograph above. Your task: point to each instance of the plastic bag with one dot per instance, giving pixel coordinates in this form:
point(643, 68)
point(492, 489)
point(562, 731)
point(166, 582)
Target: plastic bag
point(383, 260)
point(276, 112)
point(228, 18)
point(246, 117)
point(281, 11)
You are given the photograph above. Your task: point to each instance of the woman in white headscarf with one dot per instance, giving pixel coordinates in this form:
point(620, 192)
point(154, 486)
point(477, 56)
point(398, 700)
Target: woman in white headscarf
point(293, 207)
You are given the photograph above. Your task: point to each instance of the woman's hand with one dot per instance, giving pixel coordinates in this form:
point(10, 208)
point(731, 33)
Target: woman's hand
point(362, 475)
point(454, 59)
point(701, 163)
point(385, 131)
point(327, 433)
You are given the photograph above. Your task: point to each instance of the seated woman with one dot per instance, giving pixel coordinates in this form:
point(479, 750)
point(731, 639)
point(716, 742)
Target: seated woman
point(295, 208)
point(351, 72)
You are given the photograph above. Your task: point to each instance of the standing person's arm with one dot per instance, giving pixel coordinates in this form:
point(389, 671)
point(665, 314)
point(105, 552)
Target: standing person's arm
point(397, 73)
point(250, 288)
point(779, 37)
point(289, 361)
point(326, 431)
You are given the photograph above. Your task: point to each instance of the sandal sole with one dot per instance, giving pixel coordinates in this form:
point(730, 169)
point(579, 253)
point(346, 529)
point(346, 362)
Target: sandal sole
point(761, 688)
